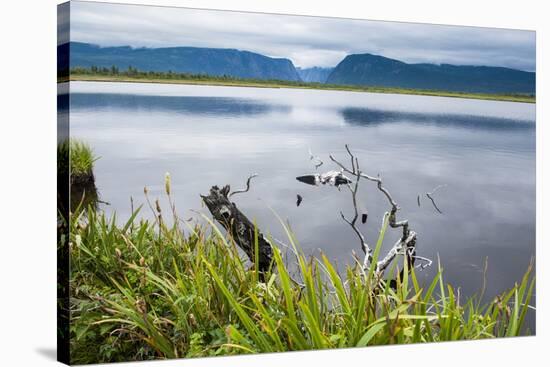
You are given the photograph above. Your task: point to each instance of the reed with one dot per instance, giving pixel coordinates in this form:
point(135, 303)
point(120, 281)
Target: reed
point(144, 290)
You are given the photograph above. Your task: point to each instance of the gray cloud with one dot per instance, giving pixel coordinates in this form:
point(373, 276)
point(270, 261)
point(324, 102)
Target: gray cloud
point(63, 23)
point(307, 41)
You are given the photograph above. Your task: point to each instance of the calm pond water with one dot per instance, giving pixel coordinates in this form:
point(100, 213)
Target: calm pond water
point(483, 151)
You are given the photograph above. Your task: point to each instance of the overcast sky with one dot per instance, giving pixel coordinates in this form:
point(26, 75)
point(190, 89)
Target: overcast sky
point(307, 41)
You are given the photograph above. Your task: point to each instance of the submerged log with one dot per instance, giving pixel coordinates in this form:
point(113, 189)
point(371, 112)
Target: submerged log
point(238, 226)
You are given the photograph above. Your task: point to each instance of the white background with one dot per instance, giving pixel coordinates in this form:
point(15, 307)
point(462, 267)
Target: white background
point(28, 186)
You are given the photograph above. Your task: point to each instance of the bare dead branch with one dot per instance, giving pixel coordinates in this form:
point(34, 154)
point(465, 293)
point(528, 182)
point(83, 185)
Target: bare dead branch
point(353, 189)
point(429, 195)
point(433, 203)
point(247, 186)
point(399, 247)
point(317, 162)
point(425, 262)
point(395, 224)
point(378, 180)
point(242, 230)
point(351, 157)
point(405, 245)
point(394, 207)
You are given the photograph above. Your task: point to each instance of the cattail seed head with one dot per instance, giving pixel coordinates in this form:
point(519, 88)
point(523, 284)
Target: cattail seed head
point(192, 320)
point(157, 205)
point(167, 183)
point(141, 306)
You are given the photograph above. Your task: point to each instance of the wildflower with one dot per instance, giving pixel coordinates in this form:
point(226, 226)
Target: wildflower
point(192, 320)
point(141, 306)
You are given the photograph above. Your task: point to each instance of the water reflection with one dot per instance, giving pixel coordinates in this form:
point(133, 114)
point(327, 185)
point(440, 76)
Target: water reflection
point(484, 152)
point(219, 106)
point(369, 117)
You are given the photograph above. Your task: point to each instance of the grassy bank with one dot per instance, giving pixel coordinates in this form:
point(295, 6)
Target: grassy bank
point(108, 75)
point(143, 290)
point(75, 163)
point(75, 156)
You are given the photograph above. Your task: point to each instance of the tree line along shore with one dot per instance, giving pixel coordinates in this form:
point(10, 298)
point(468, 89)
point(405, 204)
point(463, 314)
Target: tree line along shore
point(114, 74)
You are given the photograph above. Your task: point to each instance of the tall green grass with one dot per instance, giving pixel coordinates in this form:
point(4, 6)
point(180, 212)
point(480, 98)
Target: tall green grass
point(80, 157)
point(147, 290)
point(75, 165)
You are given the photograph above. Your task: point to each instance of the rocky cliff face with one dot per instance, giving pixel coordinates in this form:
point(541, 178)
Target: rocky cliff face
point(194, 60)
point(374, 70)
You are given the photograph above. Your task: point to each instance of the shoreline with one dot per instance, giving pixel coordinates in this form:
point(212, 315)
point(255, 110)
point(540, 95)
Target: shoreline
point(269, 84)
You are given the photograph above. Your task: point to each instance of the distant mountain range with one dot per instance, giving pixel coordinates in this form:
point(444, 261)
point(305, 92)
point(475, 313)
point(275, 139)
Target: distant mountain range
point(367, 69)
point(193, 60)
point(357, 69)
point(315, 74)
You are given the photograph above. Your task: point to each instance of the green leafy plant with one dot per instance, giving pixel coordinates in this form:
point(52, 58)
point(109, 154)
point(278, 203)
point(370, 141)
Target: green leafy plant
point(150, 290)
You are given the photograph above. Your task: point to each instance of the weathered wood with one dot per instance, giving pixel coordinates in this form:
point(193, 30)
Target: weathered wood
point(238, 226)
point(407, 242)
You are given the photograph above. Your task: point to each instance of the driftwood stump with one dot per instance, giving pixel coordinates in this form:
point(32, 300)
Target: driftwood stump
point(238, 226)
